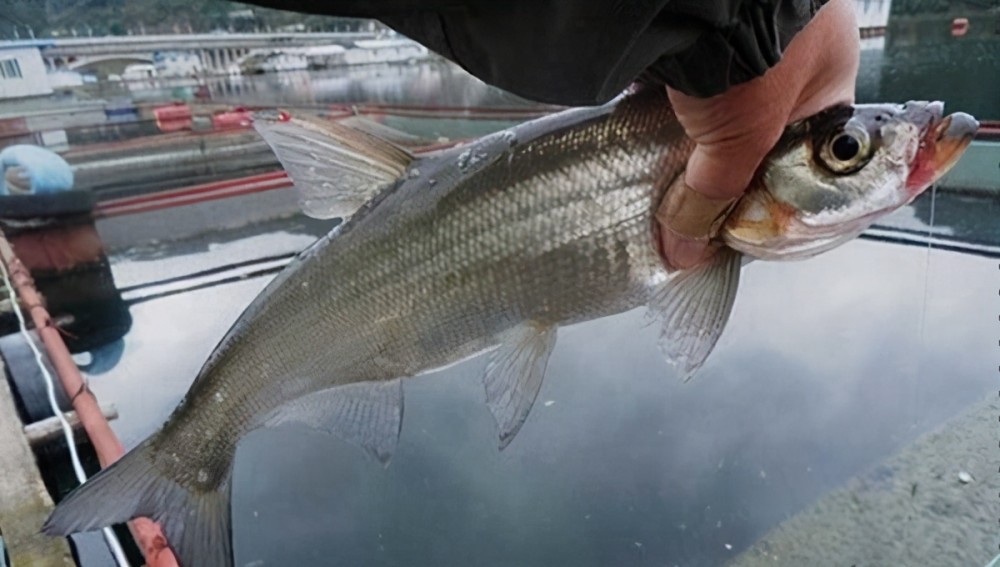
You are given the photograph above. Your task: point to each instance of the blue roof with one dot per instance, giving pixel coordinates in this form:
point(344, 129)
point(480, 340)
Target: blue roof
point(27, 43)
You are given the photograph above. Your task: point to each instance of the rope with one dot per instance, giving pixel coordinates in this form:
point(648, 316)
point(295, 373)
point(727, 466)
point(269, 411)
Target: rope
point(81, 476)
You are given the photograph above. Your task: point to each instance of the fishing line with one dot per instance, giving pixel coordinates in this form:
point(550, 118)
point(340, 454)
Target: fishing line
point(927, 263)
point(916, 398)
point(81, 475)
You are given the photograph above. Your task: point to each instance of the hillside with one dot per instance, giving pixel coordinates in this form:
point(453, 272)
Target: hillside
point(60, 18)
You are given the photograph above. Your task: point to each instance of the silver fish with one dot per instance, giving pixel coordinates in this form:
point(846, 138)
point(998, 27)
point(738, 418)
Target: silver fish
point(489, 246)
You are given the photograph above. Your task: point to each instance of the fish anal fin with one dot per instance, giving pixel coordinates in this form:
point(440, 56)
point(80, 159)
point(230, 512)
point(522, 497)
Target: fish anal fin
point(514, 376)
point(693, 308)
point(335, 168)
point(366, 414)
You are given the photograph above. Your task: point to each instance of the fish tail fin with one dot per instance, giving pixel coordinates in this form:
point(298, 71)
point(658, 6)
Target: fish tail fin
point(196, 522)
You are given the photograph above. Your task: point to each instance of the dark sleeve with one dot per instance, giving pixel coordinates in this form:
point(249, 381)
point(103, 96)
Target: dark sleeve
point(584, 52)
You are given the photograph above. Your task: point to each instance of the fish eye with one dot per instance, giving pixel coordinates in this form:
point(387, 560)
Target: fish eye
point(845, 147)
point(846, 151)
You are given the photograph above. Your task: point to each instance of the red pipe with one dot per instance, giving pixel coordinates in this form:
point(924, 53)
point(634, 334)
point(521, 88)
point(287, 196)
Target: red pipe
point(989, 130)
point(109, 449)
point(194, 189)
point(115, 208)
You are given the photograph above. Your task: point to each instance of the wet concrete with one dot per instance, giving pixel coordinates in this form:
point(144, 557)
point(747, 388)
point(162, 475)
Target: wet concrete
point(24, 502)
point(933, 503)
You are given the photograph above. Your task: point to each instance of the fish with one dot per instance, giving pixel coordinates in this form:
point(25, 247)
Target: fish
point(488, 249)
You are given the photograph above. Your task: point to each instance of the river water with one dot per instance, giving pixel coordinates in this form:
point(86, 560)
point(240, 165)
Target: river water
point(963, 72)
point(827, 367)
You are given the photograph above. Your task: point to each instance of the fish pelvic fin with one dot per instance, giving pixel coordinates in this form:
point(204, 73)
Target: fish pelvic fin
point(196, 521)
point(514, 376)
point(335, 168)
point(693, 308)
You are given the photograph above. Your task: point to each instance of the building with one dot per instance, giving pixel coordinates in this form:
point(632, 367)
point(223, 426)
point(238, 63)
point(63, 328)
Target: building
point(177, 64)
point(22, 71)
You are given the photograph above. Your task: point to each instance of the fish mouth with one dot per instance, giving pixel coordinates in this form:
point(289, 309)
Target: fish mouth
point(950, 137)
point(942, 143)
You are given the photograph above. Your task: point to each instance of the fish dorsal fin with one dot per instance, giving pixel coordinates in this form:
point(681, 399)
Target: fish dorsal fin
point(383, 132)
point(514, 376)
point(335, 168)
point(694, 307)
point(366, 414)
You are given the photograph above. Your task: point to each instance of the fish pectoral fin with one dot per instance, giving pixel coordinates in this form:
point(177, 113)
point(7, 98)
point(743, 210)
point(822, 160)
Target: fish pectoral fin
point(366, 414)
point(335, 168)
point(514, 376)
point(694, 307)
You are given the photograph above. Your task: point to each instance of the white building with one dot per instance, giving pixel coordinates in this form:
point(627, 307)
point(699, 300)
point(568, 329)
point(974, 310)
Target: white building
point(397, 50)
point(22, 71)
point(872, 14)
point(177, 64)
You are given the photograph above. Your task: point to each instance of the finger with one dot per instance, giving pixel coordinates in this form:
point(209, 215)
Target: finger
point(688, 221)
point(723, 169)
point(683, 253)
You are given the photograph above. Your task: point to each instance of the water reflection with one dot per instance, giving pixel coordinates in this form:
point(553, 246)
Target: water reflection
point(628, 466)
point(964, 72)
point(426, 84)
point(925, 61)
point(970, 218)
point(828, 366)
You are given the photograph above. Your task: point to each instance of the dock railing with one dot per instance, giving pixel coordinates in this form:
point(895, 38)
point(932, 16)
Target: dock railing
point(108, 447)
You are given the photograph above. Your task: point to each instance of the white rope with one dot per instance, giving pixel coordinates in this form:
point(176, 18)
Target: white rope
point(81, 476)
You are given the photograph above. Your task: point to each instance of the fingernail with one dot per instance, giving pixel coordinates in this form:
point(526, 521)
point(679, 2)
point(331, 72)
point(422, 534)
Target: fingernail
point(683, 253)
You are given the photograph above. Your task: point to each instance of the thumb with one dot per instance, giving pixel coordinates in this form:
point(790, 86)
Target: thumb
point(722, 169)
point(717, 174)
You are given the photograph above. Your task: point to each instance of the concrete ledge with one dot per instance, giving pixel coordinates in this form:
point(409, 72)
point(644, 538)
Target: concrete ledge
point(934, 503)
point(24, 502)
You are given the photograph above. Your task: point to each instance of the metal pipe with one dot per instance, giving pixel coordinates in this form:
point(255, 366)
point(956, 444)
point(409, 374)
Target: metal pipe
point(147, 533)
point(48, 429)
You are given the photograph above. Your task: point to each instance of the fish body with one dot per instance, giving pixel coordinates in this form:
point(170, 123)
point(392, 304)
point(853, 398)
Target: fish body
point(428, 274)
point(491, 246)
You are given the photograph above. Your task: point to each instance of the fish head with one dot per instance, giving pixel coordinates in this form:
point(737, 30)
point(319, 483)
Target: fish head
point(833, 174)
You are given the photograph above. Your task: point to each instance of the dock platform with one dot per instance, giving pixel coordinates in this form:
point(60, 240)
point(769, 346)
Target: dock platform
point(24, 502)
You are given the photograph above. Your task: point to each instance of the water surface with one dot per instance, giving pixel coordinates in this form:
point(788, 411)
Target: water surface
point(827, 367)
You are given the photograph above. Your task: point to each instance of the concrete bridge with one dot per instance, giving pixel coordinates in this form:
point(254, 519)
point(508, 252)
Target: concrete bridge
point(216, 50)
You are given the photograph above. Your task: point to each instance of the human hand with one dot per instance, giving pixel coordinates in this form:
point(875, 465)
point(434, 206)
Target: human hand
point(734, 131)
